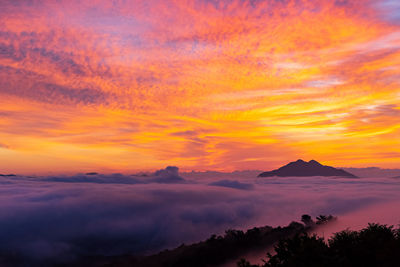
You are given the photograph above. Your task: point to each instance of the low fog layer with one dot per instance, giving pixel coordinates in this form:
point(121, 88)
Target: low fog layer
point(62, 217)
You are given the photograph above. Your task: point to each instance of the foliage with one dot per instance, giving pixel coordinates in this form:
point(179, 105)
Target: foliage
point(214, 251)
point(375, 245)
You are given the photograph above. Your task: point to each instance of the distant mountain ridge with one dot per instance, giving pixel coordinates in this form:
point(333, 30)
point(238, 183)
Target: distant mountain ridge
point(301, 168)
point(373, 172)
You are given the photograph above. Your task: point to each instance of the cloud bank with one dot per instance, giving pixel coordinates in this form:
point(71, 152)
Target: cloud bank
point(209, 84)
point(58, 219)
point(164, 176)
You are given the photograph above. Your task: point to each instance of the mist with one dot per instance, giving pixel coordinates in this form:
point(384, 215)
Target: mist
point(62, 218)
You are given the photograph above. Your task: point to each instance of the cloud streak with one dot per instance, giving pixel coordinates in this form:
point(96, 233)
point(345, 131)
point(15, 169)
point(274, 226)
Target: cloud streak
point(288, 76)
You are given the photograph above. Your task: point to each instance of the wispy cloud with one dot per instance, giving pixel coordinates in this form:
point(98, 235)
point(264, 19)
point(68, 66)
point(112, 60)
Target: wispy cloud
point(194, 76)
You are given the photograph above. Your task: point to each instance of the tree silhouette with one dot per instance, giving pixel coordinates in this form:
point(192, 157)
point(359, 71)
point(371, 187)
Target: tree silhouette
point(374, 246)
point(307, 220)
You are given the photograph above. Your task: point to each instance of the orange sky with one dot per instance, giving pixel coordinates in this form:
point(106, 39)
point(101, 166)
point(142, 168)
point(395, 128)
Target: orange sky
point(137, 85)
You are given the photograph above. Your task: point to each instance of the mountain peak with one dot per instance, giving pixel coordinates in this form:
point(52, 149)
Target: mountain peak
point(301, 168)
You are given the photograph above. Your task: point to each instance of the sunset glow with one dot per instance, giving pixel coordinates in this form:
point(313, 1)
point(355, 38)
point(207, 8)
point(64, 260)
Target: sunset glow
point(207, 85)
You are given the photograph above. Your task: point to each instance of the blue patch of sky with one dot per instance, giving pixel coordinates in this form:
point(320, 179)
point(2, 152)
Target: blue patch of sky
point(390, 10)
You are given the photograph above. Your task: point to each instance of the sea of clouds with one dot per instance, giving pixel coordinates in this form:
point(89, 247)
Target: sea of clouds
point(60, 218)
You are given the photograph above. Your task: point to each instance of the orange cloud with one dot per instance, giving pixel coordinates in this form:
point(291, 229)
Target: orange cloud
point(128, 85)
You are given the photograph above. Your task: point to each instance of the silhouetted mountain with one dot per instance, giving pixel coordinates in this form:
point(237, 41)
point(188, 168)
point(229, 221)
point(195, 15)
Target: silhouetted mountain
point(303, 168)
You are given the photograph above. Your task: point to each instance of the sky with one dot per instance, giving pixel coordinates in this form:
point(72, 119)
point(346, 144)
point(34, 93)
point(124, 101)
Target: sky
point(62, 218)
point(206, 85)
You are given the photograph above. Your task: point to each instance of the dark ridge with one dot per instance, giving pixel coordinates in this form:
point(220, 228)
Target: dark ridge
point(8, 175)
point(373, 172)
point(301, 168)
point(91, 173)
point(374, 246)
point(214, 251)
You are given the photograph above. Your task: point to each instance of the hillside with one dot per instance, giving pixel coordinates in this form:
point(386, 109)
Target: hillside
point(302, 168)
